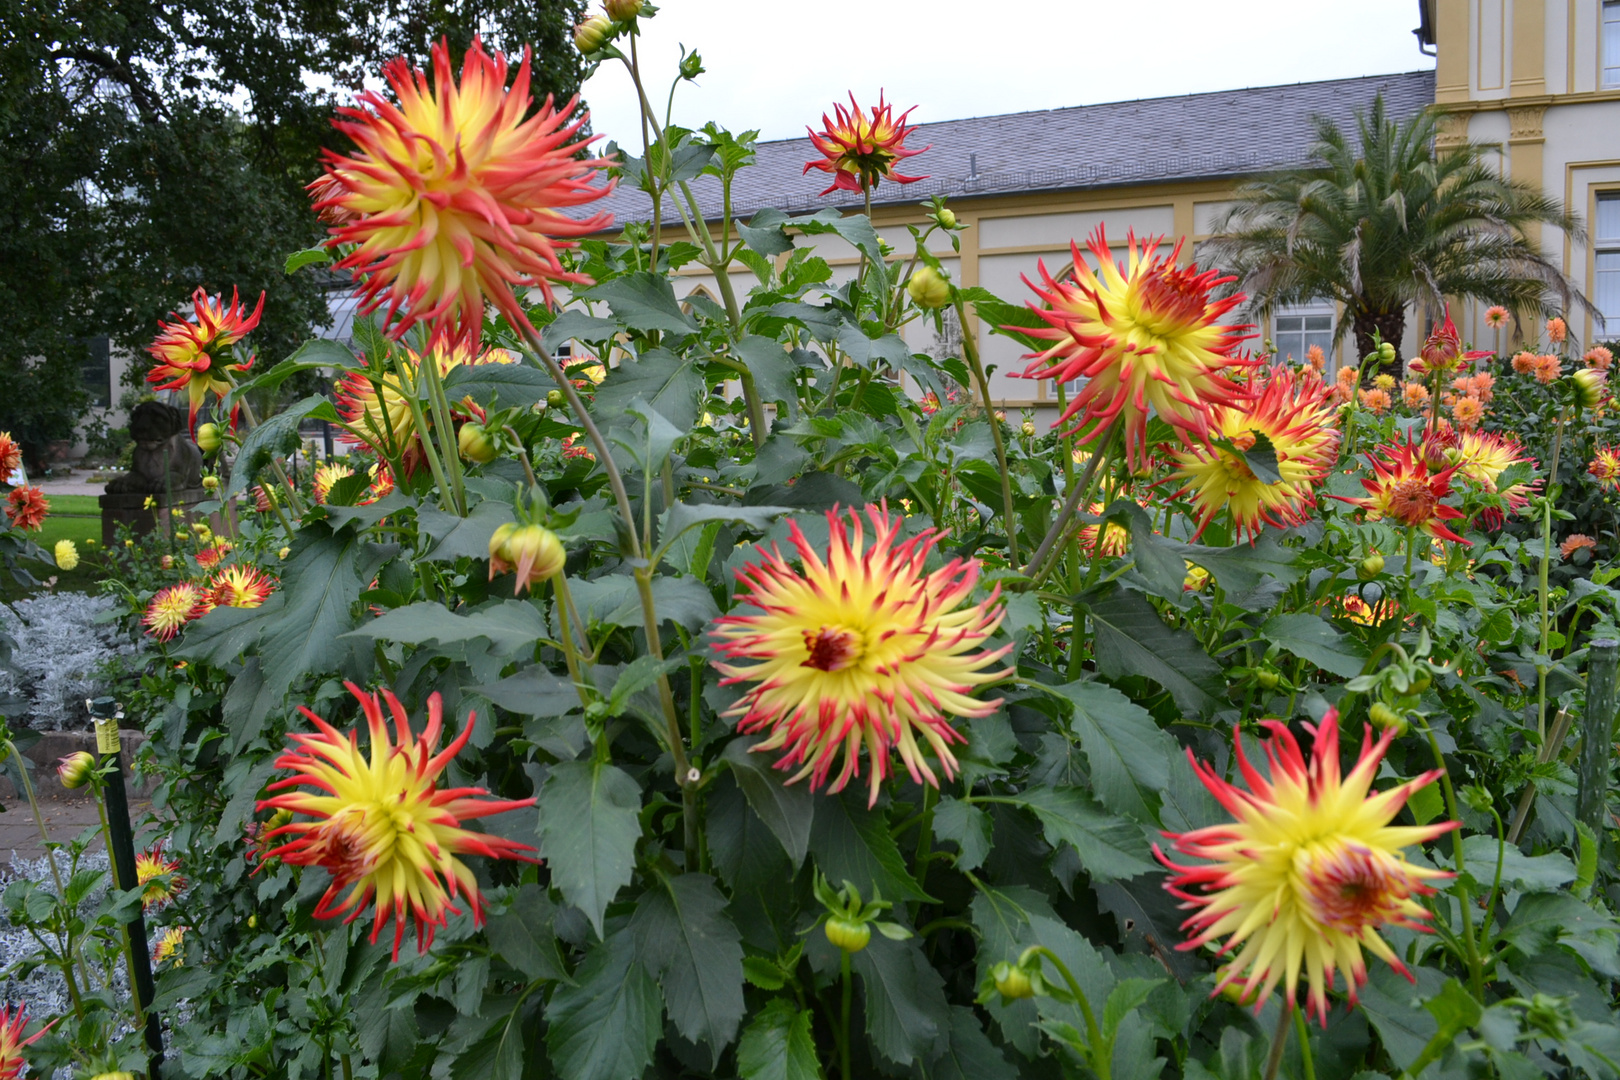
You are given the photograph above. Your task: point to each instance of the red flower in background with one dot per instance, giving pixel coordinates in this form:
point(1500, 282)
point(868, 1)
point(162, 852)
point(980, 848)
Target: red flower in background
point(27, 506)
point(1403, 490)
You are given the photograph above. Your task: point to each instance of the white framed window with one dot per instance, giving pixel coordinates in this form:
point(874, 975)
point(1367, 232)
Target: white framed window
point(1606, 261)
point(1611, 43)
point(1294, 330)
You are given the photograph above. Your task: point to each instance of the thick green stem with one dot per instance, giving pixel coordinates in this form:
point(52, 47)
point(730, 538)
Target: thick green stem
point(1080, 490)
point(413, 402)
point(445, 425)
point(844, 1072)
point(1306, 1061)
point(1101, 1054)
point(970, 351)
point(1476, 975)
point(1279, 1040)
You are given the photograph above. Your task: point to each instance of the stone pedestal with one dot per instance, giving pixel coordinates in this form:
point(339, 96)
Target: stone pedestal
point(131, 510)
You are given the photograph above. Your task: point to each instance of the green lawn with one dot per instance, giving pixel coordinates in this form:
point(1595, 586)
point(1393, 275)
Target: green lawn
point(85, 505)
point(72, 517)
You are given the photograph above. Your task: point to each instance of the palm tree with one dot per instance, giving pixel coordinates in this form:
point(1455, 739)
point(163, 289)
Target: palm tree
point(1389, 222)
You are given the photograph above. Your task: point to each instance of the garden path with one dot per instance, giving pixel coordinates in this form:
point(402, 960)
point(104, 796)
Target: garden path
point(64, 820)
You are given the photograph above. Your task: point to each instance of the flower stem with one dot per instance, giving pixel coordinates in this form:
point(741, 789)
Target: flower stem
point(1465, 901)
point(1279, 1040)
point(50, 860)
point(1101, 1054)
point(445, 425)
point(844, 1072)
point(1304, 1044)
point(1080, 490)
point(970, 351)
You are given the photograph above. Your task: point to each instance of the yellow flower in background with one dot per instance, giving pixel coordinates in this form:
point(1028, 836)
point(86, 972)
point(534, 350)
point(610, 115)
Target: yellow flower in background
point(167, 947)
point(150, 867)
point(1290, 409)
point(241, 586)
point(1310, 869)
point(67, 555)
point(380, 824)
point(861, 647)
point(457, 193)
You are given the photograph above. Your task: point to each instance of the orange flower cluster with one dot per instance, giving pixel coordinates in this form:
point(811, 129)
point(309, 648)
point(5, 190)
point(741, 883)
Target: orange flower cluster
point(1599, 357)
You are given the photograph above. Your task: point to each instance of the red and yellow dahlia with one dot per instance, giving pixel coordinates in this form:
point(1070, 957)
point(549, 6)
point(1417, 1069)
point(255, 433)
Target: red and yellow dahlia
point(27, 506)
point(167, 947)
point(1358, 611)
point(1482, 457)
point(1403, 490)
point(862, 647)
point(190, 355)
point(171, 608)
point(1309, 870)
point(1290, 408)
point(327, 474)
point(861, 150)
point(242, 586)
point(1443, 349)
point(1605, 466)
point(380, 418)
point(150, 867)
point(456, 195)
point(380, 824)
point(1103, 540)
point(1145, 336)
point(12, 1043)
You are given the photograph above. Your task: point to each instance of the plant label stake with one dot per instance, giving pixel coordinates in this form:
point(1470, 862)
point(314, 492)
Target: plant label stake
point(1597, 734)
point(121, 840)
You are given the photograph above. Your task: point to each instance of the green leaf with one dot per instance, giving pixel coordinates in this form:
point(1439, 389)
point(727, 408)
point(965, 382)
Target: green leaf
point(607, 1024)
point(589, 825)
point(907, 1016)
point(970, 1054)
point(640, 674)
point(576, 325)
point(509, 384)
point(462, 537)
point(777, 1045)
point(1313, 638)
point(512, 626)
point(1129, 754)
point(522, 935)
point(765, 234)
point(308, 257)
point(1243, 568)
point(683, 516)
point(968, 827)
point(685, 938)
point(316, 354)
point(852, 843)
point(498, 1054)
point(262, 442)
point(1394, 1008)
point(1109, 847)
point(1131, 639)
point(246, 706)
point(1455, 1011)
point(222, 635)
point(773, 368)
point(614, 601)
point(1544, 920)
point(1126, 997)
point(788, 812)
point(668, 383)
point(643, 301)
point(1528, 873)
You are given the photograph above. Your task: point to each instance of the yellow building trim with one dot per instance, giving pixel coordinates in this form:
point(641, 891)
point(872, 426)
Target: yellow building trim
point(1529, 49)
point(1451, 75)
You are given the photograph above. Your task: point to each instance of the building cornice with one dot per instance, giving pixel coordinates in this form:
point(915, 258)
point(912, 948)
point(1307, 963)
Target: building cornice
point(1588, 97)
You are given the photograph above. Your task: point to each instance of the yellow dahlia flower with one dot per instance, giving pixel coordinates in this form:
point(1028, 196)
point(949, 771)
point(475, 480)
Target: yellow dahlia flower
point(167, 947)
point(1308, 871)
point(1145, 336)
point(188, 355)
point(381, 826)
point(328, 474)
point(864, 647)
point(67, 555)
point(242, 586)
point(382, 418)
point(457, 194)
point(1483, 456)
point(152, 865)
point(171, 608)
point(1290, 408)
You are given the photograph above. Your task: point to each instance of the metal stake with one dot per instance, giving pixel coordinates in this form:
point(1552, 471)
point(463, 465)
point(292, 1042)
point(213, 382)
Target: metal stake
point(1597, 734)
point(121, 840)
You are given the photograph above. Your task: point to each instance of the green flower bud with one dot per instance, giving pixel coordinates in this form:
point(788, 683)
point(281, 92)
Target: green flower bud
point(1383, 717)
point(849, 935)
point(593, 33)
point(1028, 429)
point(1267, 678)
point(946, 218)
point(691, 66)
point(1588, 386)
point(75, 770)
point(1370, 567)
point(554, 399)
point(208, 438)
point(1012, 982)
point(622, 11)
point(929, 288)
point(475, 443)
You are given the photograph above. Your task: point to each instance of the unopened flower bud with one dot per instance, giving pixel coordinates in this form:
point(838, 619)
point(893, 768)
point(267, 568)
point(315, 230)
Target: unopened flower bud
point(593, 33)
point(929, 288)
point(475, 443)
point(208, 438)
point(284, 552)
point(1370, 567)
point(622, 10)
point(554, 399)
point(691, 66)
point(1267, 678)
point(1028, 429)
point(1588, 385)
point(210, 483)
point(1386, 352)
point(167, 562)
point(1012, 982)
point(74, 770)
point(1383, 717)
point(847, 934)
point(946, 218)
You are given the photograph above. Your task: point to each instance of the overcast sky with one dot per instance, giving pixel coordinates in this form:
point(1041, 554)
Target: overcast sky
point(777, 65)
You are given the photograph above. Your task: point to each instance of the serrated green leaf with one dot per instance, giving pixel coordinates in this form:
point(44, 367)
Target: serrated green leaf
point(686, 940)
point(669, 383)
point(509, 385)
point(643, 300)
point(1109, 847)
point(1129, 754)
point(1129, 638)
point(462, 537)
point(307, 257)
point(778, 1045)
point(261, 443)
point(852, 843)
point(522, 935)
point(607, 1024)
point(788, 812)
point(907, 1016)
point(966, 825)
point(589, 825)
point(1313, 638)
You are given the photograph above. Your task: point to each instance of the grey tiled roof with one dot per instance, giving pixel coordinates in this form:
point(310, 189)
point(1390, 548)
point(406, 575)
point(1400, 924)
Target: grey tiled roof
point(1196, 136)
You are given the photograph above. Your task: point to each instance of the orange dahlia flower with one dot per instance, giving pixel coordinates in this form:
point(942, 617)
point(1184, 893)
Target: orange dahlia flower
point(1415, 394)
point(1605, 466)
point(27, 506)
point(864, 647)
point(1291, 410)
point(1576, 542)
point(1496, 316)
point(1403, 490)
point(457, 194)
point(1467, 412)
point(190, 355)
point(242, 586)
point(1524, 362)
point(1547, 369)
point(381, 825)
point(861, 150)
point(10, 456)
point(1375, 400)
point(1599, 357)
point(381, 416)
point(1144, 336)
point(172, 607)
point(1316, 358)
point(12, 1043)
point(1557, 330)
point(152, 866)
point(1309, 870)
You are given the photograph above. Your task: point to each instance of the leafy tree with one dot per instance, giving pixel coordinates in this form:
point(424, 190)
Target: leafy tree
point(154, 147)
point(1390, 219)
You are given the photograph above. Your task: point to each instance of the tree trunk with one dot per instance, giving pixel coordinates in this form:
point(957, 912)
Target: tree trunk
point(1390, 325)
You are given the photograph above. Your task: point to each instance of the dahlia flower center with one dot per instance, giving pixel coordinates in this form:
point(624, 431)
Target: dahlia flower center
point(348, 845)
point(1170, 301)
point(1349, 887)
point(832, 648)
point(1412, 502)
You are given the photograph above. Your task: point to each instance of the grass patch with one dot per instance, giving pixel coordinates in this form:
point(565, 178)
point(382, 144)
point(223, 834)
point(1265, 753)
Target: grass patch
point(76, 505)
